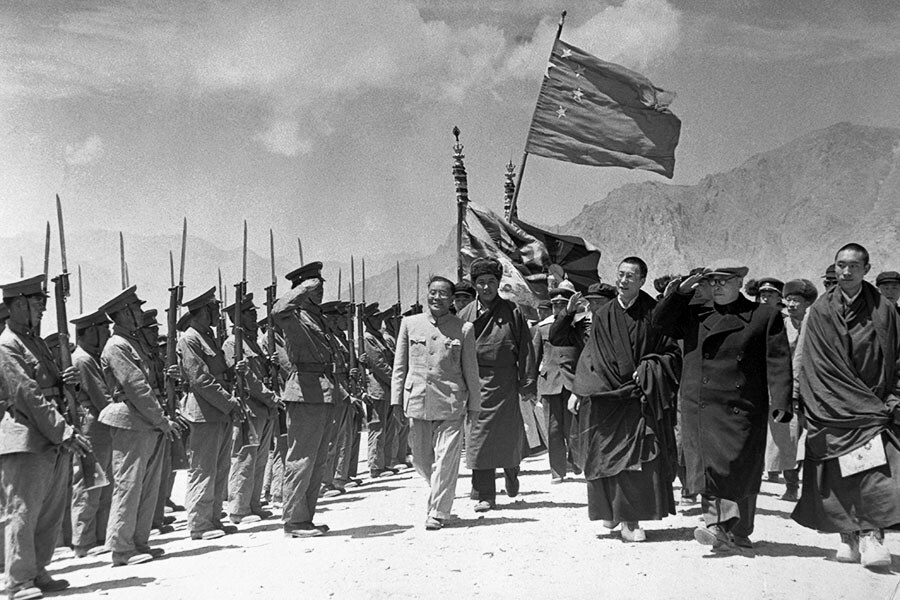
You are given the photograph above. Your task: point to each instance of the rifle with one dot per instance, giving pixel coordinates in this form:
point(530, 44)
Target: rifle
point(122, 267)
point(221, 332)
point(176, 293)
point(91, 471)
point(248, 434)
point(47, 258)
point(271, 291)
point(360, 336)
point(358, 383)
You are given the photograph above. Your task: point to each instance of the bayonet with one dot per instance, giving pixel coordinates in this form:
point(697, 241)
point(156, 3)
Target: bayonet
point(122, 266)
point(80, 293)
point(47, 258)
point(300, 248)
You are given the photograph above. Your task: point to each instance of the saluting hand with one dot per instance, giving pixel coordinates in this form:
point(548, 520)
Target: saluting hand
point(574, 303)
point(71, 376)
point(688, 284)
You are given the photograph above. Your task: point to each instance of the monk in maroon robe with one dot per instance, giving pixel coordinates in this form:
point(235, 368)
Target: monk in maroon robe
point(627, 376)
point(848, 381)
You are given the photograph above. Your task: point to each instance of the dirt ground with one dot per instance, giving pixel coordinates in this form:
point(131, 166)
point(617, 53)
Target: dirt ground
point(538, 545)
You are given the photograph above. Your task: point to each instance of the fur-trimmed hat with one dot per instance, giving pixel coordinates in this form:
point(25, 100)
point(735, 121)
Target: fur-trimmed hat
point(801, 287)
point(485, 266)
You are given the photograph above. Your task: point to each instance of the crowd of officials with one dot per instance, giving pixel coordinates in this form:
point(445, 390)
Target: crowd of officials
point(701, 384)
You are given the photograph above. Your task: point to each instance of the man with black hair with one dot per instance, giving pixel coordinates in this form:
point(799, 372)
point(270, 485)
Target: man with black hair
point(849, 386)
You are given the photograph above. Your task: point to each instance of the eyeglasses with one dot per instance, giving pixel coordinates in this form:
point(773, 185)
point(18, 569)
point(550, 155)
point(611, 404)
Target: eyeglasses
point(439, 294)
point(719, 281)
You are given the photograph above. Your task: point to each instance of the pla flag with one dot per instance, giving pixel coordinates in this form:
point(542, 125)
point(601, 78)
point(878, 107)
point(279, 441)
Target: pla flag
point(577, 257)
point(593, 112)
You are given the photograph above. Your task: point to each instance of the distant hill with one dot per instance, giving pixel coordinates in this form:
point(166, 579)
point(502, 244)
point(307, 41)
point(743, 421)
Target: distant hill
point(783, 213)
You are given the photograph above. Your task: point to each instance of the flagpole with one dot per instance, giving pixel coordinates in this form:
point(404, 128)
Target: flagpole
point(462, 201)
point(513, 206)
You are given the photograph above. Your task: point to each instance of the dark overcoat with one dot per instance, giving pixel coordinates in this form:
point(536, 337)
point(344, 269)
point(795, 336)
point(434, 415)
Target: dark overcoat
point(736, 358)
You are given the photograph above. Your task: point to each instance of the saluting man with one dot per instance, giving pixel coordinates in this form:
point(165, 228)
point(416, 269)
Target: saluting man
point(308, 396)
point(90, 508)
point(34, 444)
point(138, 426)
point(211, 409)
point(248, 463)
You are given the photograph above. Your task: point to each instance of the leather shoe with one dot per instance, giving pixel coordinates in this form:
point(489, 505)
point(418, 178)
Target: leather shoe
point(47, 584)
point(741, 541)
point(483, 506)
point(556, 480)
point(163, 529)
point(714, 536)
point(81, 551)
point(433, 524)
point(790, 496)
point(120, 559)
point(173, 506)
point(244, 519)
point(168, 520)
point(154, 552)
point(28, 593)
point(323, 528)
point(689, 500)
point(512, 486)
point(228, 529)
point(304, 530)
point(263, 514)
point(332, 492)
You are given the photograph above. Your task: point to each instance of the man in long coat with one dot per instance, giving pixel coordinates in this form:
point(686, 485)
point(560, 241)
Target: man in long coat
point(848, 352)
point(628, 378)
point(506, 369)
point(736, 357)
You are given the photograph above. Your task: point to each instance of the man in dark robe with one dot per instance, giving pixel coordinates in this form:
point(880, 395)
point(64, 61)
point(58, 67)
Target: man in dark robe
point(506, 369)
point(627, 379)
point(848, 351)
point(736, 364)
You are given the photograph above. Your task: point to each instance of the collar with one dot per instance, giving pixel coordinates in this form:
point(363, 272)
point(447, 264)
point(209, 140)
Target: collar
point(850, 299)
point(19, 329)
point(626, 306)
point(438, 320)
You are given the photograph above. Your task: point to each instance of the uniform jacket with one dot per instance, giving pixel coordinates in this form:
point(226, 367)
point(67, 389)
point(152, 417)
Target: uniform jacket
point(125, 369)
point(556, 364)
point(92, 396)
point(31, 423)
point(435, 374)
point(307, 345)
point(736, 359)
point(261, 399)
point(206, 373)
point(379, 366)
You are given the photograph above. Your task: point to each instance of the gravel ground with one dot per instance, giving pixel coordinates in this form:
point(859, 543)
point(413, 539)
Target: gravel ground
point(538, 545)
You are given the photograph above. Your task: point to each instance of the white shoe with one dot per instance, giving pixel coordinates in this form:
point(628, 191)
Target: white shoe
point(632, 532)
point(848, 549)
point(610, 524)
point(872, 551)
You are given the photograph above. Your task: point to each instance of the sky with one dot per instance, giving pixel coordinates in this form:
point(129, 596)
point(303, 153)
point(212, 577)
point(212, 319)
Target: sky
point(331, 120)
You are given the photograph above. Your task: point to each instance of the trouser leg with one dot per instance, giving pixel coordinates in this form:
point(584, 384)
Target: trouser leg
point(155, 448)
point(378, 431)
point(267, 433)
point(159, 509)
point(90, 508)
point(792, 480)
point(446, 439)
point(343, 458)
point(241, 479)
point(307, 426)
point(556, 434)
point(747, 508)
point(134, 456)
point(484, 484)
point(354, 449)
point(341, 409)
point(735, 516)
point(206, 444)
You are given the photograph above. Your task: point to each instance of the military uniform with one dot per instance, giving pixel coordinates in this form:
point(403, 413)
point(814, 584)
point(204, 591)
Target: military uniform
point(209, 407)
point(136, 424)
point(382, 428)
point(90, 508)
point(308, 398)
point(248, 463)
point(337, 465)
point(33, 464)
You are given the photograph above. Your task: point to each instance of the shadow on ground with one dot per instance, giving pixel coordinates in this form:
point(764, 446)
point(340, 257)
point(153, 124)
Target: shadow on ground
point(78, 566)
point(386, 530)
point(112, 584)
point(522, 505)
point(198, 551)
point(484, 521)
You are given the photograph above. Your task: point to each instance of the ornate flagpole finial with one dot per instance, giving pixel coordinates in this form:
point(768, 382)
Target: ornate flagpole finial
point(509, 190)
point(460, 178)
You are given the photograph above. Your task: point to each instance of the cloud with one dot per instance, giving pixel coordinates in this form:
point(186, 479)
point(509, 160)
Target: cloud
point(294, 58)
point(839, 42)
point(84, 153)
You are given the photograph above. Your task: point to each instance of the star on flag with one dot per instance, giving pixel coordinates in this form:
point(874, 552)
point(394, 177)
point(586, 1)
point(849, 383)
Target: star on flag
point(579, 71)
point(566, 53)
point(577, 94)
point(560, 113)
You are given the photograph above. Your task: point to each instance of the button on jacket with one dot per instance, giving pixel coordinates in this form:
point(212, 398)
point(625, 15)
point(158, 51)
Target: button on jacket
point(436, 368)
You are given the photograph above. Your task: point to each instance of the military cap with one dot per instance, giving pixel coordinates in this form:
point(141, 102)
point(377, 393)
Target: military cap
point(52, 340)
point(725, 271)
point(150, 318)
point(545, 304)
point(485, 266)
point(801, 287)
point(770, 284)
point(98, 317)
point(335, 307)
point(464, 287)
point(207, 297)
point(886, 276)
point(30, 286)
point(562, 293)
point(371, 310)
point(830, 274)
point(184, 322)
point(307, 271)
point(120, 301)
point(596, 291)
point(246, 305)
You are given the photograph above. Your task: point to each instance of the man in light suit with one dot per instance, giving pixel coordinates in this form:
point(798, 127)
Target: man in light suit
point(435, 379)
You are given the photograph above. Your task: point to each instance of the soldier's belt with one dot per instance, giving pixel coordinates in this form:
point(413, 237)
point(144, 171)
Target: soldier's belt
point(317, 368)
point(51, 392)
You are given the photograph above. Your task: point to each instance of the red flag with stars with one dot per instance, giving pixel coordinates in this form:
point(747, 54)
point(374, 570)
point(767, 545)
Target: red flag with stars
point(592, 112)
